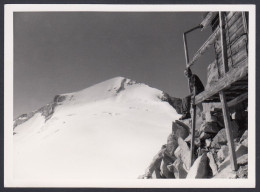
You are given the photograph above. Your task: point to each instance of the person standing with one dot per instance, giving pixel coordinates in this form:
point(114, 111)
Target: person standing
point(195, 87)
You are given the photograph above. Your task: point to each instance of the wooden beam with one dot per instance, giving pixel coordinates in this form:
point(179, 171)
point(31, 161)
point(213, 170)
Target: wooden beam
point(228, 128)
point(210, 41)
point(238, 99)
point(244, 22)
point(193, 126)
point(231, 103)
point(237, 73)
point(223, 41)
point(208, 19)
point(185, 49)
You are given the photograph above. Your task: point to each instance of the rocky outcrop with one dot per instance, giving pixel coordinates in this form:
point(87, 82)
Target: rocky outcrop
point(200, 168)
point(46, 111)
point(211, 154)
point(176, 103)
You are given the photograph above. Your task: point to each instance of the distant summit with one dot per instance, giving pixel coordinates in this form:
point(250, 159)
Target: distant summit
point(110, 130)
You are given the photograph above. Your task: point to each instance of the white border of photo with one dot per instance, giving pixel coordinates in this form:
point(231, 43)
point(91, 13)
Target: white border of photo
point(9, 181)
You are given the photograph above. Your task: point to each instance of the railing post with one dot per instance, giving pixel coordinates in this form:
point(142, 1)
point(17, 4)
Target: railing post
point(222, 96)
point(228, 127)
point(193, 126)
point(186, 49)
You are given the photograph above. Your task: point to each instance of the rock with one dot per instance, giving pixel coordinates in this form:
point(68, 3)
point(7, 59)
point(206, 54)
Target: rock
point(235, 128)
point(242, 172)
point(154, 166)
point(179, 171)
point(156, 174)
point(212, 75)
point(221, 138)
point(241, 150)
point(208, 142)
point(172, 144)
point(183, 152)
point(187, 122)
point(165, 172)
point(210, 127)
point(204, 136)
point(212, 163)
point(196, 140)
point(168, 159)
point(209, 117)
point(200, 168)
point(180, 129)
point(245, 142)
point(223, 153)
point(242, 160)
point(201, 151)
point(244, 136)
point(176, 103)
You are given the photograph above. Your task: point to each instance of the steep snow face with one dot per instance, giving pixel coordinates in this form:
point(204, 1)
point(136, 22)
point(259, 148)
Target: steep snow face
point(111, 130)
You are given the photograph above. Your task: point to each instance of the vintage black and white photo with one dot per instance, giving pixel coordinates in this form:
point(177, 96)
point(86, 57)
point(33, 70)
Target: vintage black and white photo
point(129, 96)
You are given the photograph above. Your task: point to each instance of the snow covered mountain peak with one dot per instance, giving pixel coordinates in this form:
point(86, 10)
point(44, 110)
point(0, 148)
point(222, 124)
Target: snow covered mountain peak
point(110, 130)
point(117, 89)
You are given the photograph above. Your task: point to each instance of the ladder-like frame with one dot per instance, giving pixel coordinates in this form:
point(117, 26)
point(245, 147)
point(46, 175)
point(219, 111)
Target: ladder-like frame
point(223, 84)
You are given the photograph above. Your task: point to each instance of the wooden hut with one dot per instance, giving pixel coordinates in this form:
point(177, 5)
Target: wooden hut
point(228, 75)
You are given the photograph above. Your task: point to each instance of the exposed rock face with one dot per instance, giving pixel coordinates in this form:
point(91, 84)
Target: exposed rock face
point(244, 139)
point(223, 153)
point(176, 103)
point(210, 127)
point(200, 168)
point(46, 111)
point(212, 163)
point(211, 147)
point(22, 118)
point(179, 171)
point(183, 152)
point(221, 138)
point(242, 172)
point(172, 144)
point(155, 165)
point(165, 172)
point(242, 160)
point(180, 129)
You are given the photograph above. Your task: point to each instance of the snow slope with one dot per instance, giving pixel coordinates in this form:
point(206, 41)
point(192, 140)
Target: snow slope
point(111, 130)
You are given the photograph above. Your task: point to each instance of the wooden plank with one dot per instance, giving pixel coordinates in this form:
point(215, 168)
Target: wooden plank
point(240, 71)
point(238, 99)
point(244, 22)
point(210, 41)
point(235, 45)
point(223, 41)
point(231, 103)
point(228, 128)
point(185, 43)
point(230, 14)
point(193, 127)
point(185, 49)
point(208, 19)
point(236, 34)
point(241, 55)
point(233, 20)
point(232, 39)
point(233, 28)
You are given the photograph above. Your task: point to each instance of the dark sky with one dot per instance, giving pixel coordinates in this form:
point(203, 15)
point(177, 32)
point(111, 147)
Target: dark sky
point(63, 52)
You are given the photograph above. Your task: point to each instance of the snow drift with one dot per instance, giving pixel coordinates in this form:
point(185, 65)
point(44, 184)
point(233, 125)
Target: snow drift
point(111, 130)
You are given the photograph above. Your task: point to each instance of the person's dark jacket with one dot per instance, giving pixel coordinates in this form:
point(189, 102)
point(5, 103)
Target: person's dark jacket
point(195, 85)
